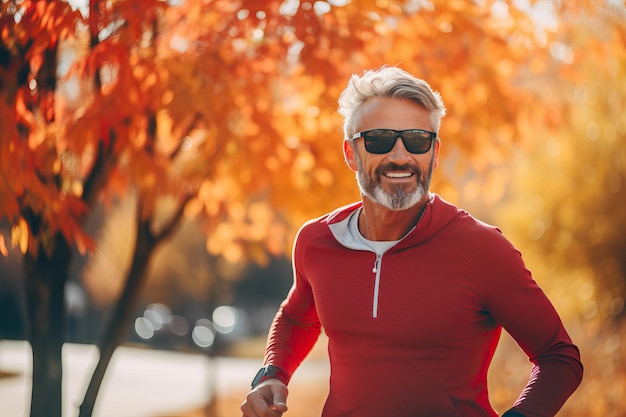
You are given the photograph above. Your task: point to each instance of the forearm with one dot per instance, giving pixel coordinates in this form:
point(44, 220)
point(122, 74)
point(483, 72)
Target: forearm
point(523, 309)
point(290, 341)
point(553, 379)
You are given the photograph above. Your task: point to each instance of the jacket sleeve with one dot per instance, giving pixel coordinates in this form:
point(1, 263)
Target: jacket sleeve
point(296, 326)
point(515, 301)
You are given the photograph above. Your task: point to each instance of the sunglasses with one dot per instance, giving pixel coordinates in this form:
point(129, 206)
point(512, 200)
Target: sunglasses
point(381, 141)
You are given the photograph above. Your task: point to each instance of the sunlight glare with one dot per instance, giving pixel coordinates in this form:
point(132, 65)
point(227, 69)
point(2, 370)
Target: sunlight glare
point(178, 43)
point(500, 10)
point(258, 34)
point(144, 328)
point(225, 319)
point(321, 7)
point(562, 52)
point(289, 7)
point(203, 334)
point(243, 14)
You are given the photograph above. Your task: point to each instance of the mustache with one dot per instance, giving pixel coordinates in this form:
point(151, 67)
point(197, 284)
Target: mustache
point(395, 167)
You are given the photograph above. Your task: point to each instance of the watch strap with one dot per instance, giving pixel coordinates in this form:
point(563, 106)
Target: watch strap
point(270, 371)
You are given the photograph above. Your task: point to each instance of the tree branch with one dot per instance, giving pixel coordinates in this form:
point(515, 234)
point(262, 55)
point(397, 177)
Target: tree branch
point(175, 219)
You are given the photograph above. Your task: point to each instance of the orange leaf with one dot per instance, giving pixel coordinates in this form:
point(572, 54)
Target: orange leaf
point(19, 235)
point(3, 246)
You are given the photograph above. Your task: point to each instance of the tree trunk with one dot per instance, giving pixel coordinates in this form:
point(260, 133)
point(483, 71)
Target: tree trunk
point(45, 279)
point(118, 323)
point(46, 269)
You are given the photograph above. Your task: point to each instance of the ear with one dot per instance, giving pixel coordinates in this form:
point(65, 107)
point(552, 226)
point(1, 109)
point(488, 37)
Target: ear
point(437, 145)
point(349, 156)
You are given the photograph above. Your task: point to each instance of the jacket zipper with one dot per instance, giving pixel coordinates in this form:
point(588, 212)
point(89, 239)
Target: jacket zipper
point(376, 271)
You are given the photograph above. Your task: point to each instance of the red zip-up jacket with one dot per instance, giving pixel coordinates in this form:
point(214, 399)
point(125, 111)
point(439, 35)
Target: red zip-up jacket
point(412, 332)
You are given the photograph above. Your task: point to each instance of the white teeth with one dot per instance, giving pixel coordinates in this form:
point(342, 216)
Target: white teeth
point(398, 174)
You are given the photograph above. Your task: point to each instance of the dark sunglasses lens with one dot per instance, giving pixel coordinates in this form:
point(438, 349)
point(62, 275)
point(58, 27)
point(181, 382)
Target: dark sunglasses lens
point(417, 141)
point(380, 141)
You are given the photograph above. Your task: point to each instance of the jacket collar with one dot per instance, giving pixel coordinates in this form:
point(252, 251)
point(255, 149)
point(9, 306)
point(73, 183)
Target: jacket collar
point(437, 214)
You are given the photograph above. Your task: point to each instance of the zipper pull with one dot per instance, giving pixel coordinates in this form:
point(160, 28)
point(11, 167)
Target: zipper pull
point(375, 268)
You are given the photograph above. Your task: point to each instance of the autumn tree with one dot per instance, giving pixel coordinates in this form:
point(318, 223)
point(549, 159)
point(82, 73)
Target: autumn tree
point(224, 110)
point(31, 184)
point(59, 157)
point(569, 211)
point(565, 205)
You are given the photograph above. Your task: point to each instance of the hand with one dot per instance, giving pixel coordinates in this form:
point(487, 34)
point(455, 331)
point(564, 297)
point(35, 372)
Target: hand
point(268, 399)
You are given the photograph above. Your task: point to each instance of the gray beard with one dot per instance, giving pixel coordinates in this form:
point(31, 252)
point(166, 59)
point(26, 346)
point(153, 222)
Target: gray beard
point(397, 198)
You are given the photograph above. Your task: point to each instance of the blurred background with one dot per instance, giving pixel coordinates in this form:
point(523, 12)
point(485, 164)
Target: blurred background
point(158, 157)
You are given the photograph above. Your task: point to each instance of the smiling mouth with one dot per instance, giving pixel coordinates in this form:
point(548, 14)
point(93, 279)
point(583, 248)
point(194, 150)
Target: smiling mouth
point(398, 174)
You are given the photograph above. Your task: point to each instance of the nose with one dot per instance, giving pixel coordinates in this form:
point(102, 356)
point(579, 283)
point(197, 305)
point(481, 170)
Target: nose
point(399, 153)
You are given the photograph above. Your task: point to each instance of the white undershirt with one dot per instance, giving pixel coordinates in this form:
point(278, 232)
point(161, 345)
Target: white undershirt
point(378, 247)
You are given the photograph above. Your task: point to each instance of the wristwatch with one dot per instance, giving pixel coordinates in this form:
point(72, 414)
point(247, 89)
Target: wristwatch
point(270, 371)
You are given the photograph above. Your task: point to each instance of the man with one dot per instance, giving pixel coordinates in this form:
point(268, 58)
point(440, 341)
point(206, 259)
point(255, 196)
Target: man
point(411, 291)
